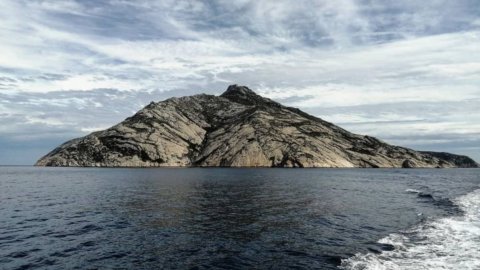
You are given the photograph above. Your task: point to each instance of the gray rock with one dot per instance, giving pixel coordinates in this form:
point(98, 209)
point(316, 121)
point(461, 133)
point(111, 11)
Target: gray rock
point(237, 129)
point(459, 160)
point(408, 164)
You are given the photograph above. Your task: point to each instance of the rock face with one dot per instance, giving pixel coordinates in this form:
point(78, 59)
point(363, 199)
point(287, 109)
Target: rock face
point(458, 160)
point(237, 129)
point(408, 164)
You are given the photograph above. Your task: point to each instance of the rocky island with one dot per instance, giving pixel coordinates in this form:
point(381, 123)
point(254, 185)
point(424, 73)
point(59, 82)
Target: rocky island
point(236, 129)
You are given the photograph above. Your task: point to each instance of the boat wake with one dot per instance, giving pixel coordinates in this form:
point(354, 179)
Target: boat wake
point(445, 243)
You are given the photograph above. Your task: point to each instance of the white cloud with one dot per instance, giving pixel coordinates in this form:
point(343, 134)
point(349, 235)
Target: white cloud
point(337, 59)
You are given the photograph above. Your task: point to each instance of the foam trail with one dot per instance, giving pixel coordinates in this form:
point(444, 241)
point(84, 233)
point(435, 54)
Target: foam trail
point(446, 243)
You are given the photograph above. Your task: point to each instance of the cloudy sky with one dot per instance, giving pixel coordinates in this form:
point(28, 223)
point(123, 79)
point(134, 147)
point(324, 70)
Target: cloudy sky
point(405, 71)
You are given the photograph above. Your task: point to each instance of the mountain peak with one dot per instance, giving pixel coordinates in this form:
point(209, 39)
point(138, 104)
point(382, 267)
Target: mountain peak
point(244, 95)
point(240, 89)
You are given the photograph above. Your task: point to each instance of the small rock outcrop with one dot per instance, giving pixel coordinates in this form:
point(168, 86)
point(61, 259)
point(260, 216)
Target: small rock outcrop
point(408, 164)
point(236, 129)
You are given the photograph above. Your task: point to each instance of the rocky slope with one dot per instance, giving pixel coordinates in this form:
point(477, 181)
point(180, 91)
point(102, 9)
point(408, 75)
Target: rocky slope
point(458, 160)
point(237, 129)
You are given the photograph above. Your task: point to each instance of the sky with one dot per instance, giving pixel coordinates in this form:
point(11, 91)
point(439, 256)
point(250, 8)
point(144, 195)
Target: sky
point(407, 72)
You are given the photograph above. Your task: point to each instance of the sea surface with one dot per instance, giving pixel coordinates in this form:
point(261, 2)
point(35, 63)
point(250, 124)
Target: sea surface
point(220, 218)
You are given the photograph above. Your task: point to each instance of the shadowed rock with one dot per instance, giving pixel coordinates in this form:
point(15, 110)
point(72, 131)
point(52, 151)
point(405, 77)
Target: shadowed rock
point(236, 129)
point(408, 164)
point(459, 160)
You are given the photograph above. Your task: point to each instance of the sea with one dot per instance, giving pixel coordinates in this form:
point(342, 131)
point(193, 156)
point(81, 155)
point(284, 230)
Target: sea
point(227, 218)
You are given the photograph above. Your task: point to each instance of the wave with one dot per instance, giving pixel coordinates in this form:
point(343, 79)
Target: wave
point(445, 243)
point(445, 203)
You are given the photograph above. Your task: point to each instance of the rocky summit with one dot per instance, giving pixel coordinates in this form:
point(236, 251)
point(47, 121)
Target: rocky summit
point(236, 129)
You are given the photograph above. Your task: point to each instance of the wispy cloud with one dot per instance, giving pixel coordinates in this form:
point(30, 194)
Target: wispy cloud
point(70, 67)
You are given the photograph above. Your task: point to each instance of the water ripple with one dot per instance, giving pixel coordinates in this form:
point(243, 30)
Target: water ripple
point(79, 218)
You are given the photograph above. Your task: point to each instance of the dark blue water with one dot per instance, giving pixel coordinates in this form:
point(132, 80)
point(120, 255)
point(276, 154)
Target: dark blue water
point(80, 218)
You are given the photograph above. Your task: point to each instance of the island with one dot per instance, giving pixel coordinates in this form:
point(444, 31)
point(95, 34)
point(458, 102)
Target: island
point(239, 128)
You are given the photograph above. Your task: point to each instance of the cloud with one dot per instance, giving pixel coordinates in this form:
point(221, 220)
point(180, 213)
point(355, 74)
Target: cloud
point(70, 67)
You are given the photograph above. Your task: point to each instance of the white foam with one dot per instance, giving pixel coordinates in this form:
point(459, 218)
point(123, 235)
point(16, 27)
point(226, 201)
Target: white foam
point(446, 243)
